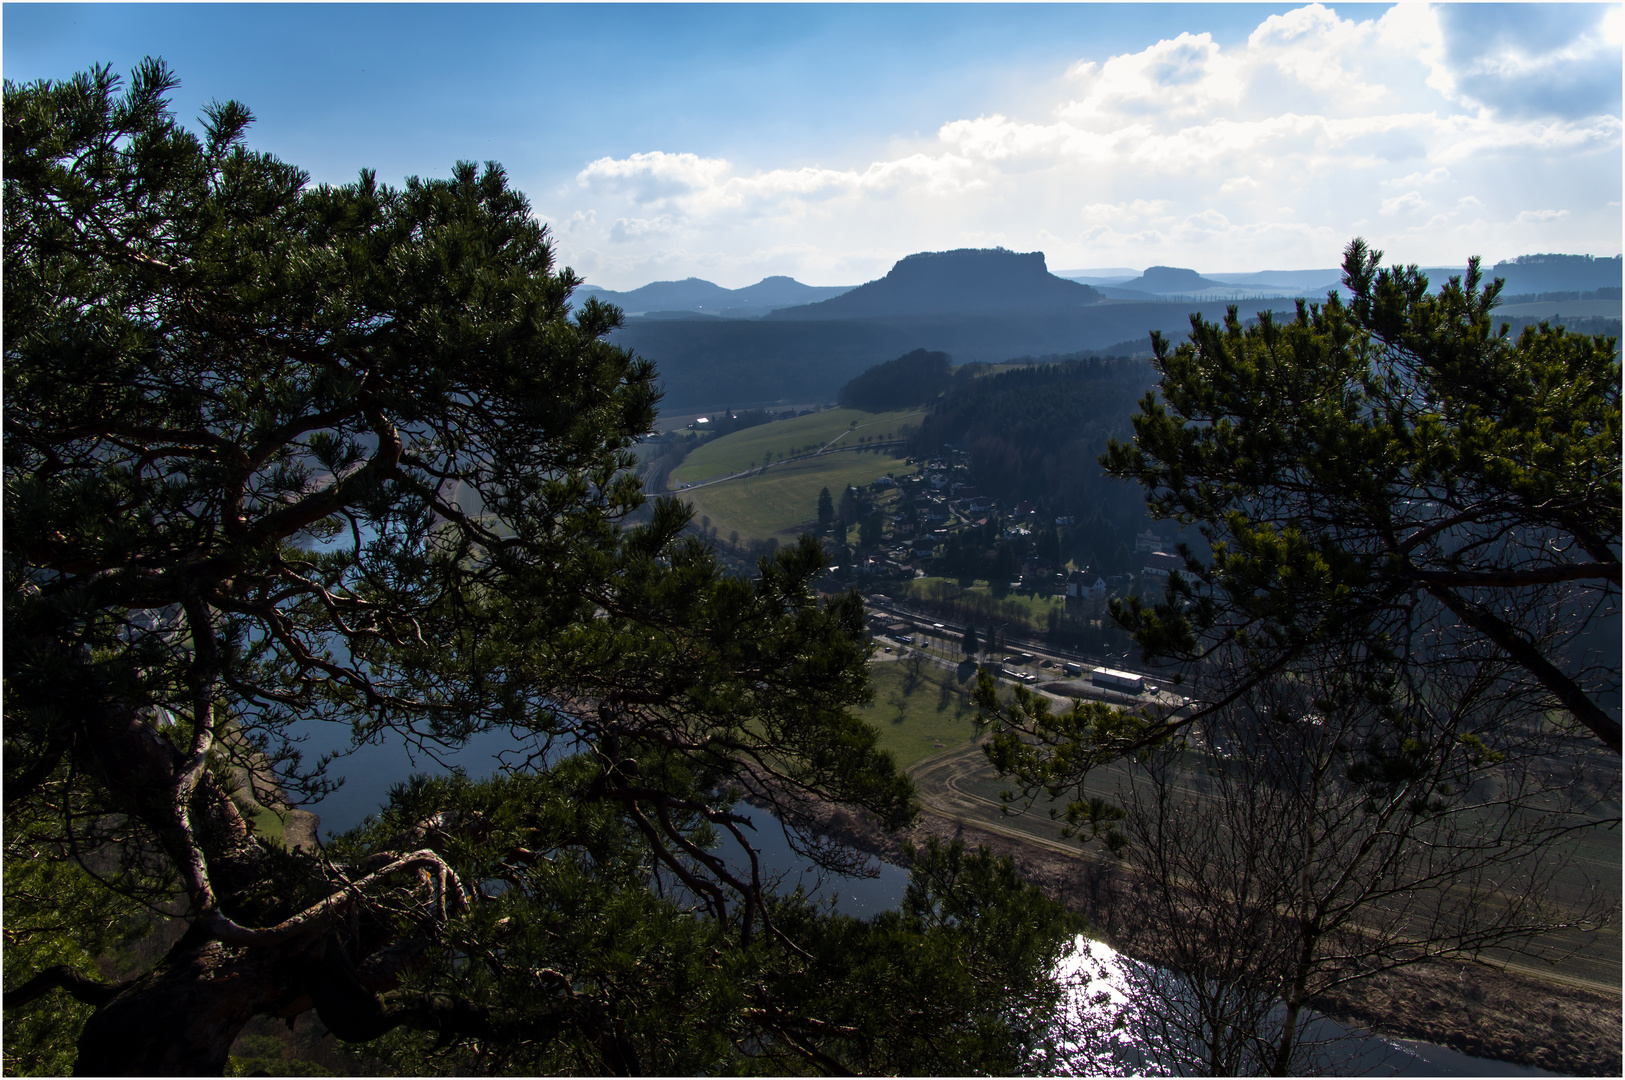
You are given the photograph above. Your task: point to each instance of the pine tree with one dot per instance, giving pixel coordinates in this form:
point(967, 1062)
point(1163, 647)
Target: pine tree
point(1403, 649)
point(280, 455)
point(869, 531)
point(826, 510)
point(1367, 470)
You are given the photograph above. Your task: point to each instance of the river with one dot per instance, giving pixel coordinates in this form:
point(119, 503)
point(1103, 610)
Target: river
point(372, 770)
point(1102, 987)
point(1094, 970)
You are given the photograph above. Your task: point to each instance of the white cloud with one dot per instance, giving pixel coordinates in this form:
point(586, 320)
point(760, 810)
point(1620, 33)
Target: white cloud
point(1138, 210)
point(1432, 176)
point(579, 221)
point(1410, 202)
point(627, 230)
point(1271, 152)
point(1559, 59)
point(1537, 217)
point(1203, 226)
point(1316, 50)
point(1185, 76)
point(686, 185)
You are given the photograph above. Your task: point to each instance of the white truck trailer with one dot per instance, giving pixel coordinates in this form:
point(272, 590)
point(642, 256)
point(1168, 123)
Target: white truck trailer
point(1123, 682)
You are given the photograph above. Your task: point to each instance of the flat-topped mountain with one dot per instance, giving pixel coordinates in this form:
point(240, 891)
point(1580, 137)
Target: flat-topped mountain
point(963, 282)
point(994, 280)
point(988, 306)
point(1168, 282)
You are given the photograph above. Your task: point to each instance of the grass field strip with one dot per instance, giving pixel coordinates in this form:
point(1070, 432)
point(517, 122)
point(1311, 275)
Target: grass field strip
point(744, 453)
point(760, 469)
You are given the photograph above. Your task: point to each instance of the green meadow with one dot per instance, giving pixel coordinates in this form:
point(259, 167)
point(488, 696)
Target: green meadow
point(783, 501)
point(920, 713)
point(786, 438)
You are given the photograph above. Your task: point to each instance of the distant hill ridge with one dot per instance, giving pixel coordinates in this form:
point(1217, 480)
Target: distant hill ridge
point(980, 306)
point(1172, 279)
point(969, 280)
point(1554, 273)
point(959, 282)
point(698, 295)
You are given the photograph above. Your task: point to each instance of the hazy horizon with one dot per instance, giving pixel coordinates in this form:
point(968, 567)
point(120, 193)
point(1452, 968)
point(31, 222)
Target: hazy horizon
point(823, 143)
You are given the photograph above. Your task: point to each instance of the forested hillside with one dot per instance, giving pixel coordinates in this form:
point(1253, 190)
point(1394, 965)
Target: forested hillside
point(709, 363)
point(980, 306)
point(1035, 433)
point(912, 379)
point(1544, 273)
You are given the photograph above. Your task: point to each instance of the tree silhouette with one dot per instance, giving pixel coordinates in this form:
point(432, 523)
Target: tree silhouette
point(280, 456)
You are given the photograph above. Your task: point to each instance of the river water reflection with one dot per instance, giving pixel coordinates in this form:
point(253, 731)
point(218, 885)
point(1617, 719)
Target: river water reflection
point(1103, 988)
point(372, 770)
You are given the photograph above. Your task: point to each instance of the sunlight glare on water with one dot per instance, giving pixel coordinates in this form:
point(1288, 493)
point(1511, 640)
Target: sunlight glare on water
point(1096, 1032)
point(1092, 1037)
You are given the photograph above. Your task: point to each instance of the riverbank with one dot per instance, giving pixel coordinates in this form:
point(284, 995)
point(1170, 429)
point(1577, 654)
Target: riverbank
point(1472, 1007)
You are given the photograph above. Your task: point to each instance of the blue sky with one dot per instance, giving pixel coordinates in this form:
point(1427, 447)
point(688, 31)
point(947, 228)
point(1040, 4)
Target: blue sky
point(735, 141)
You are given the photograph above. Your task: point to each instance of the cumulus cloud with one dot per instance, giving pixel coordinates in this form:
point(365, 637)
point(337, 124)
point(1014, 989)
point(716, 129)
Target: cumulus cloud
point(1549, 59)
point(654, 177)
point(626, 230)
point(1203, 226)
point(690, 185)
point(1410, 202)
point(1418, 126)
point(578, 221)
